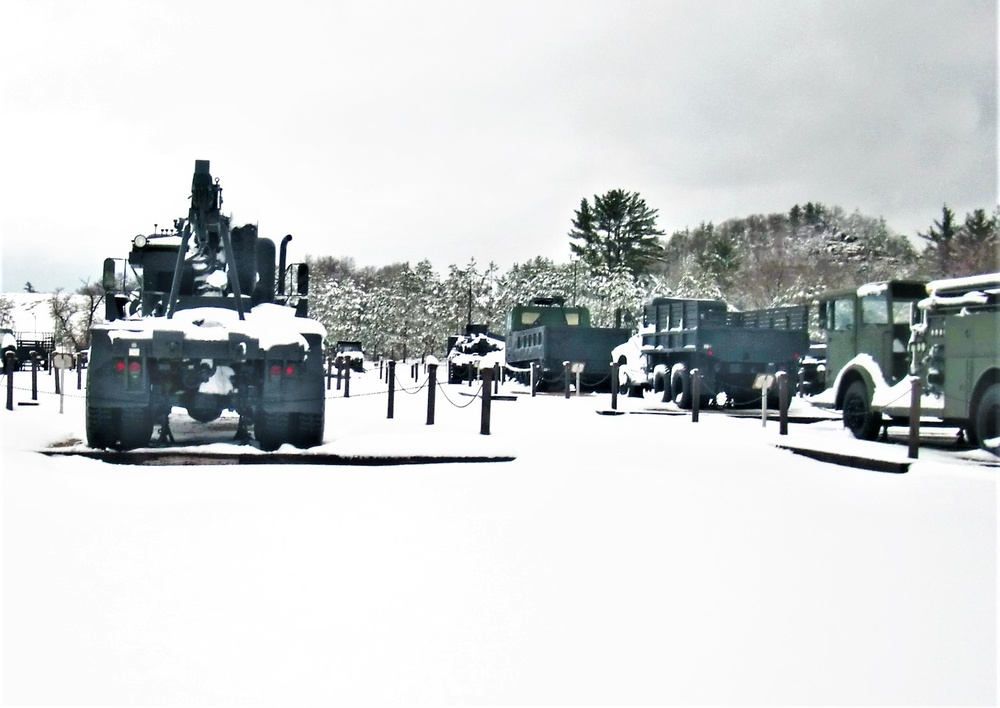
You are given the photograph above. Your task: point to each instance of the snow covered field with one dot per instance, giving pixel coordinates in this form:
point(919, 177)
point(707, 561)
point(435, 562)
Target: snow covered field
point(638, 558)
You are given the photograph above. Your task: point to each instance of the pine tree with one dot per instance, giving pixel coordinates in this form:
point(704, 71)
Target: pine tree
point(941, 238)
point(617, 232)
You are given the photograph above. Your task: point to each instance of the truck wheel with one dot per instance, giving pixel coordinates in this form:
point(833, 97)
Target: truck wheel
point(858, 415)
point(101, 426)
point(308, 430)
point(135, 428)
point(986, 426)
point(680, 386)
point(272, 430)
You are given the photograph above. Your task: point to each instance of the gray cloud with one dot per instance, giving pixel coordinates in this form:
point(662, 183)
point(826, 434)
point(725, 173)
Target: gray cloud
point(450, 130)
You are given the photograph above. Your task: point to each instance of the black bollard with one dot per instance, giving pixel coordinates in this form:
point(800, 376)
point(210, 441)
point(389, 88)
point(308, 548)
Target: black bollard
point(695, 395)
point(484, 427)
point(913, 449)
point(496, 378)
point(8, 366)
point(534, 378)
point(347, 382)
point(782, 403)
point(34, 375)
point(431, 390)
point(614, 385)
point(566, 377)
point(392, 387)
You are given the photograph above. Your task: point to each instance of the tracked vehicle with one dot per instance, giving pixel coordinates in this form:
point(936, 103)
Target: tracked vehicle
point(209, 328)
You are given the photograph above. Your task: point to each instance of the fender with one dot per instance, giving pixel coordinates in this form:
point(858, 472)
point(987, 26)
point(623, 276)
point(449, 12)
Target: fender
point(862, 367)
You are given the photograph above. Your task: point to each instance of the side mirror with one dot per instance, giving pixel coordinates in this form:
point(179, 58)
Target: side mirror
point(108, 279)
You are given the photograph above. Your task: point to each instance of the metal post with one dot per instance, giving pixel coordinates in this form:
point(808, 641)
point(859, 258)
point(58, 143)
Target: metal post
point(59, 378)
point(566, 377)
point(763, 403)
point(347, 382)
point(431, 390)
point(695, 394)
point(915, 394)
point(329, 373)
point(392, 387)
point(484, 428)
point(79, 371)
point(8, 365)
point(534, 379)
point(381, 372)
point(496, 378)
point(782, 403)
point(34, 375)
point(614, 385)
point(340, 373)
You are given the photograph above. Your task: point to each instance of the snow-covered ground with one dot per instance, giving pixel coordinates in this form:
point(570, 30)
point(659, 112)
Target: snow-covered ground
point(639, 558)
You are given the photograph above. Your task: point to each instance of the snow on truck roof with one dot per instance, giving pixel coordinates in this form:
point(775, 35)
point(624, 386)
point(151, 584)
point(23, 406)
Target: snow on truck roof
point(971, 282)
point(271, 325)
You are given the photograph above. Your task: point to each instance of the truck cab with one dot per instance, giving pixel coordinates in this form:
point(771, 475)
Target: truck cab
point(867, 331)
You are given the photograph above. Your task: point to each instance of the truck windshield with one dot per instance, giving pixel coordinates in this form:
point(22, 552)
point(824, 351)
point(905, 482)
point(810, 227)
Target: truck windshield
point(874, 310)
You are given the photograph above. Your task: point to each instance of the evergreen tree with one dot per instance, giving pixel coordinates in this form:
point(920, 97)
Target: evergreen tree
point(941, 237)
point(617, 232)
point(977, 244)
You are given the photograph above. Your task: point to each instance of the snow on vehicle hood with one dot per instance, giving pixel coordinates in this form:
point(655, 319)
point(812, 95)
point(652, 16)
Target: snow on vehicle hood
point(271, 325)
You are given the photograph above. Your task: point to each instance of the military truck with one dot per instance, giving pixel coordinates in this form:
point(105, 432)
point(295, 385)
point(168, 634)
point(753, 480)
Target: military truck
point(209, 329)
point(955, 352)
point(349, 355)
point(730, 349)
point(867, 331)
point(548, 333)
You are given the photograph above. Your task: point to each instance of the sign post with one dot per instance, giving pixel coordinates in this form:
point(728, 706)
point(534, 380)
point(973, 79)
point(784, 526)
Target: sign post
point(763, 382)
point(62, 361)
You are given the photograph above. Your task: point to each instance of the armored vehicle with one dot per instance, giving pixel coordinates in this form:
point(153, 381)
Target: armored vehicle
point(209, 329)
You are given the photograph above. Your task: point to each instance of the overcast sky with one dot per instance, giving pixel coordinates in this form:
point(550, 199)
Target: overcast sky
point(397, 131)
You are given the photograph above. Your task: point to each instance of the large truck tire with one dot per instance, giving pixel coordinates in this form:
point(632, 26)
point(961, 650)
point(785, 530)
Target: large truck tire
point(136, 428)
point(986, 425)
point(118, 429)
point(101, 427)
point(680, 386)
point(308, 430)
point(272, 430)
point(858, 415)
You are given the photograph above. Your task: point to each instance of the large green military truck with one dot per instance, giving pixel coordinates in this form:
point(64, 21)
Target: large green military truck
point(955, 350)
point(548, 333)
point(867, 330)
point(210, 328)
point(730, 349)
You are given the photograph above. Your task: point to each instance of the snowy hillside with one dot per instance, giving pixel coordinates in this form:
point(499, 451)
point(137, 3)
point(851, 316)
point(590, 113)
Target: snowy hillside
point(638, 558)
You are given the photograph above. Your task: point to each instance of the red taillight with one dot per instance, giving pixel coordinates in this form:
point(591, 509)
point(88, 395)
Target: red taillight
point(289, 370)
point(120, 366)
point(711, 353)
point(276, 370)
point(134, 367)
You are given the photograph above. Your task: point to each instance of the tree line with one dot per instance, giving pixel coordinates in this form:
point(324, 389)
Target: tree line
point(619, 258)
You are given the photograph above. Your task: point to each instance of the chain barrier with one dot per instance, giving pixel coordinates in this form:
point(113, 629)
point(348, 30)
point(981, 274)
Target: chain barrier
point(472, 400)
point(415, 391)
